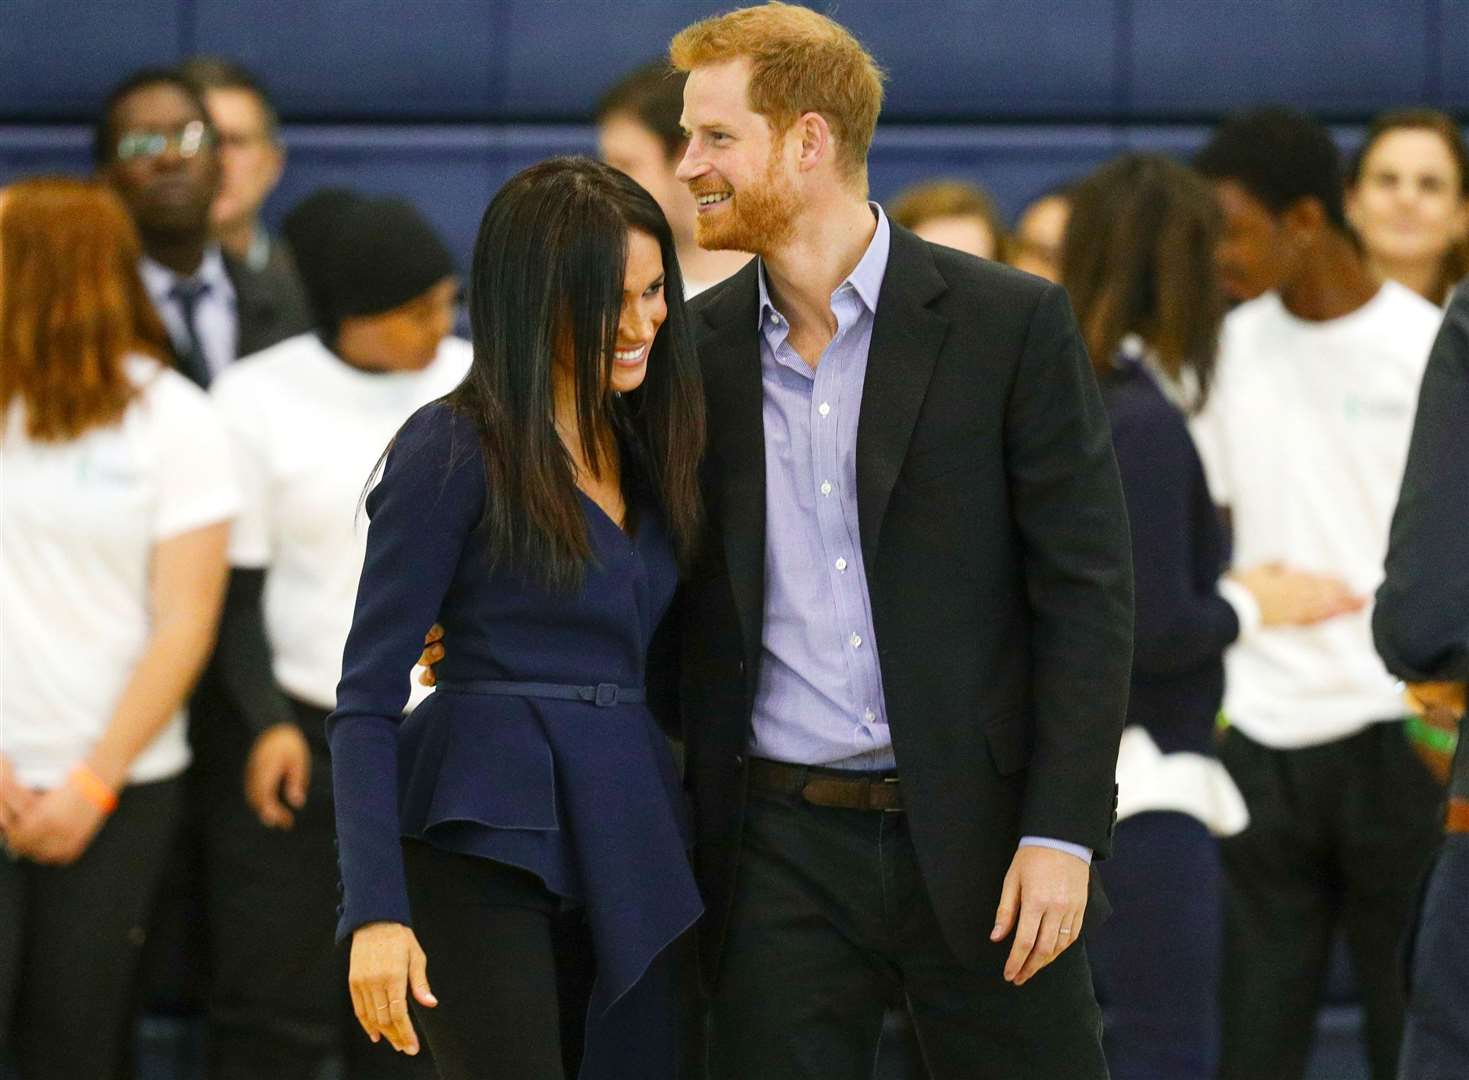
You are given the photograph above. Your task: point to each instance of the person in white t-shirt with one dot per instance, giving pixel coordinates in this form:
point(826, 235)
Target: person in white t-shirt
point(309, 418)
point(1304, 441)
point(114, 518)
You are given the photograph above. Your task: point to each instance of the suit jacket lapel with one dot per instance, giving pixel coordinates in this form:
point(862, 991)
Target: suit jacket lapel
point(906, 337)
point(730, 357)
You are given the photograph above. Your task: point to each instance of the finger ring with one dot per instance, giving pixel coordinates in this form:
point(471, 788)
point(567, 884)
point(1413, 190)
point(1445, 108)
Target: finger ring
point(1065, 930)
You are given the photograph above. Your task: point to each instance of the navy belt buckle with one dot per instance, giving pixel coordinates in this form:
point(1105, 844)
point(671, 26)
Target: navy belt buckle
point(606, 695)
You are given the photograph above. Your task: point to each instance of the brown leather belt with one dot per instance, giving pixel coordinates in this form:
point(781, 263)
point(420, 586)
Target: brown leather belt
point(1457, 819)
point(828, 787)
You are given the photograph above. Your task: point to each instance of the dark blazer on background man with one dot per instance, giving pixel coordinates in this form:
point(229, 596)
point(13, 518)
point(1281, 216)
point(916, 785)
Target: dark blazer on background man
point(995, 539)
point(269, 303)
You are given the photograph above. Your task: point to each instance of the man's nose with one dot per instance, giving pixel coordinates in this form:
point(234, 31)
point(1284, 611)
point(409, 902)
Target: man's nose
point(689, 166)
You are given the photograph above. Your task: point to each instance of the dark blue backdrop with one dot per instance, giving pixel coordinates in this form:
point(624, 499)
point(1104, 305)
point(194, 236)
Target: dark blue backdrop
point(441, 100)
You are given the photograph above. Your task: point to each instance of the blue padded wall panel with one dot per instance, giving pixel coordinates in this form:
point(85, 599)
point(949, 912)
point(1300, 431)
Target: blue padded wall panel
point(560, 55)
point(985, 59)
point(946, 58)
point(365, 59)
point(31, 151)
point(448, 173)
point(1333, 56)
point(1454, 54)
point(59, 58)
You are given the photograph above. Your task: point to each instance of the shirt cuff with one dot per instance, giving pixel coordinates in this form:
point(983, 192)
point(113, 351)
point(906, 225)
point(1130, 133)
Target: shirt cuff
point(1082, 853)
point(1246, 608)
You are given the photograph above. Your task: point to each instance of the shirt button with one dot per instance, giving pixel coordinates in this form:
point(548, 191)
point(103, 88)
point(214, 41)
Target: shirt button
point(826, 487)
point(869, 716)
point(842, 565)
point(823, 408)
point(856, 641)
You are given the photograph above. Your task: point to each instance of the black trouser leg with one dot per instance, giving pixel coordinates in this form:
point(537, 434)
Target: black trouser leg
point(831, 921)
point(801, 985)
point(1341, 830)
point(74, 938)
point(487, 931)
point(279, 1004)
point(1280, 908)
point(1389, 829)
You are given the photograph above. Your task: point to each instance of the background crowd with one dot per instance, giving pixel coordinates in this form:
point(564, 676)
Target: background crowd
point(193, 403)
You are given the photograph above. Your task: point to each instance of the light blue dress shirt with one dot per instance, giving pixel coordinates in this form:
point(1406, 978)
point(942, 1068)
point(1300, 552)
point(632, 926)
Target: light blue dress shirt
point(819, 700)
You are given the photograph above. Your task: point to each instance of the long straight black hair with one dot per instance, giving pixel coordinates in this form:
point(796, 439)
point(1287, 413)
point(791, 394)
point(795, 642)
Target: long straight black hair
point(547, 276)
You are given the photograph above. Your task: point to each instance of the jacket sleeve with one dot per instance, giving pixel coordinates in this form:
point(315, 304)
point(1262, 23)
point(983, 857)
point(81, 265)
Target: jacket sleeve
point(423, 512)
point(1178, 626)
point(1421, 621)
point(1070, 516)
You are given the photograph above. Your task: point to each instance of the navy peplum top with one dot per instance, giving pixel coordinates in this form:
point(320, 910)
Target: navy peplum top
point(584, 795)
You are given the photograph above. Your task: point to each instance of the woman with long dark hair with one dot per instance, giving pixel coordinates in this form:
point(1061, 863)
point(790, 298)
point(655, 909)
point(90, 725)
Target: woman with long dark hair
point(1138, 261)
point(540, 513)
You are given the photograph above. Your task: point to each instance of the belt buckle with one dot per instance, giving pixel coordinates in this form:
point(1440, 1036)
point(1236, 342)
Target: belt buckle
point(606, 695)
point(891, 809)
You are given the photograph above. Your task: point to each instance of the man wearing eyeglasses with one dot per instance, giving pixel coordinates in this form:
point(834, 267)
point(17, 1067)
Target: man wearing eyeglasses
point(155, 145)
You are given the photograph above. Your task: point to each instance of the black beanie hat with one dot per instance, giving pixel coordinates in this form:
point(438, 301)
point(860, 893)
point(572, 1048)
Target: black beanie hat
point(309, 230)
point(382, 255)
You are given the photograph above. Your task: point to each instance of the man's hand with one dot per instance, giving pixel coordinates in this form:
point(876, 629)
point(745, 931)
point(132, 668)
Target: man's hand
point(1047, 889)
point(433, 652)
point(57, 826)
point(279, 763)
point(1290, 597)
point(15, 798)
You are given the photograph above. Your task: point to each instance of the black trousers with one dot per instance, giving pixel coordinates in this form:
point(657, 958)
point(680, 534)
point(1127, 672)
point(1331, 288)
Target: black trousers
point(831, 923)
point(70, 938)
point(278, 1003)
point(512, 972)
point(1340, 835)
point(244, 930)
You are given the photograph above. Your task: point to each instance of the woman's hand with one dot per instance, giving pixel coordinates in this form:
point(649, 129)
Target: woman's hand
point(386, 962)
point(15, 799)
point(57, 827)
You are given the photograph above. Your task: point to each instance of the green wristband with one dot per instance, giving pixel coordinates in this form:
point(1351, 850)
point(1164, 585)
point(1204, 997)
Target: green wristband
point(1425, 734)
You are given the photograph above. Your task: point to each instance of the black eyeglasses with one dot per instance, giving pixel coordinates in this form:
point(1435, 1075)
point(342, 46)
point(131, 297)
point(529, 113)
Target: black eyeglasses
point(187, 140)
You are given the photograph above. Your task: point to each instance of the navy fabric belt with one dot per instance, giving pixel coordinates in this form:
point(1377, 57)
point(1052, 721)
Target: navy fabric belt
point(604, 694)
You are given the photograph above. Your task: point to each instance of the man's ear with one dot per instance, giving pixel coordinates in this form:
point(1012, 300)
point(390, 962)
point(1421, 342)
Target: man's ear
point(814, 139)
point(1305, 218)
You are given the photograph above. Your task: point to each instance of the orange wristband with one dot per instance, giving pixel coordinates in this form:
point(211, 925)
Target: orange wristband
point(93, 788)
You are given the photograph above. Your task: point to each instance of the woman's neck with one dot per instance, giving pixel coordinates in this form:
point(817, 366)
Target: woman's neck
point(1424, 278)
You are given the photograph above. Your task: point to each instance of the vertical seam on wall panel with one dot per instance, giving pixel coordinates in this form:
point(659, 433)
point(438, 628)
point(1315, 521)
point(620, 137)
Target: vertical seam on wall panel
point(500, 17)
point(1433, 53)
point(1122, 42)
point(188, 29)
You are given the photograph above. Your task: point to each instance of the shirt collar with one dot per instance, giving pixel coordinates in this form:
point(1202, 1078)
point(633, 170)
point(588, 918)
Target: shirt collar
point(159, 280)
point(866, 277)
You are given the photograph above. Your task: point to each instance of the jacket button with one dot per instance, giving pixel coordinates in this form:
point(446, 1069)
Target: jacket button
point(740, 667)
point(739, 760)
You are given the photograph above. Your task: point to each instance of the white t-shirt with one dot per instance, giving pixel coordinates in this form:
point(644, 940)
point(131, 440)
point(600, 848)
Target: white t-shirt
point(1304, 438)
point(78, 522)
point(308, 429)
